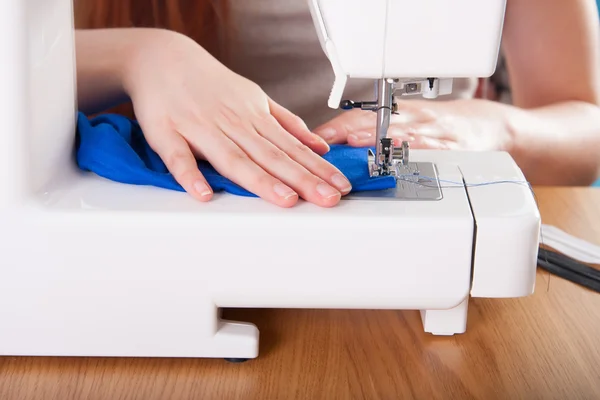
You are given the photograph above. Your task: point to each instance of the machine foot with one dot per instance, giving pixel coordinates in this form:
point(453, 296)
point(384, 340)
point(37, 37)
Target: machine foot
point(446, 322)
point(236, 360)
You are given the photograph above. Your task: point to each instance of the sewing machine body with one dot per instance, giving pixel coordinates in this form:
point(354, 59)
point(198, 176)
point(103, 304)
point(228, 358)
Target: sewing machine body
point(409, 40)
point(90, 267)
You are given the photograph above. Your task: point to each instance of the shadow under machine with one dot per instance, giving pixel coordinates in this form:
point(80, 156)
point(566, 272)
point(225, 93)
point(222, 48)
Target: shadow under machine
point(91, 267)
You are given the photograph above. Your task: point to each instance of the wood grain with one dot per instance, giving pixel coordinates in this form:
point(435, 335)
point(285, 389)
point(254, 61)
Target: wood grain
point(541, 347)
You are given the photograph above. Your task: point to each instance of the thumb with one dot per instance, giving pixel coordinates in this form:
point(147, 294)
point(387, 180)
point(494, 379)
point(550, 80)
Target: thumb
point(351, 123)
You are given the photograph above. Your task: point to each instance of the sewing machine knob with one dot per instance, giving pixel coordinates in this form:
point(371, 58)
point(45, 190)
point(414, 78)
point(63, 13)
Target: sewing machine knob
point(405, 151)
point(347, 105)
point(401, 153)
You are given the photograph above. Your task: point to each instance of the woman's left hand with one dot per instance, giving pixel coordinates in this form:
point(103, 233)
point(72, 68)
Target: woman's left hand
point(456, 124)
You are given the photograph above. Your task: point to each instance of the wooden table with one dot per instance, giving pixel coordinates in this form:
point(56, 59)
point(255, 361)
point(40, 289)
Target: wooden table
point(546, 346)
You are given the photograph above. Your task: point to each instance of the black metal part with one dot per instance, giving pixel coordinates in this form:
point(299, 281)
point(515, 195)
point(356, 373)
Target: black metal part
point(387, 148)
point(431, 82)
point(363, 105)
point(236, 360)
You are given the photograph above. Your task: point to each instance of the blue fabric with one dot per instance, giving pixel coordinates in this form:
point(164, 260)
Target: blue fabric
point(114, 147)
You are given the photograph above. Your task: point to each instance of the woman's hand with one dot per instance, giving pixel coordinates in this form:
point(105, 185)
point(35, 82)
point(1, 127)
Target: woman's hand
point(458, 124)
point(189, 105)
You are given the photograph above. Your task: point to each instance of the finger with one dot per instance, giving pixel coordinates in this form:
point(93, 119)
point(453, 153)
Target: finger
point(363, 124)
point(415, 142)
point(269, 129)
point(406, 132)
point(278, 164)
point(234, 164)
point(414, 111)
point(423, 142)
point(338, 129)
point(179, 160)
point(296, 126)
point(362, 139)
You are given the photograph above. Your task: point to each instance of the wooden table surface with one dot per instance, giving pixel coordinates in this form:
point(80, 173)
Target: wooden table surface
point(546, 346)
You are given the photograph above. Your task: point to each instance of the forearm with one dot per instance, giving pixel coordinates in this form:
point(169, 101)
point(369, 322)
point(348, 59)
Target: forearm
point(101, 57)
point(557, 144)
point(106, 62)
point(553, 61)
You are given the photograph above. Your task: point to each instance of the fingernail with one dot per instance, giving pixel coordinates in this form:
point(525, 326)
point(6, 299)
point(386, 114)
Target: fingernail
point(327, 133)
point(202, 188)
point(354, 137)
point(323, 142)
point(341, 183)
point(284, 191)
point(363, 135)
point(326, 191)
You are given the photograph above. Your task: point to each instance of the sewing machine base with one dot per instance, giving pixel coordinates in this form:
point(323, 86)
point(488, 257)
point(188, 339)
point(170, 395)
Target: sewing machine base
point(91, 267)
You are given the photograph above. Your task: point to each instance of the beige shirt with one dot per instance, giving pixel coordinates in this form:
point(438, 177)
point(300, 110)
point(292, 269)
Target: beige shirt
point(274, 43)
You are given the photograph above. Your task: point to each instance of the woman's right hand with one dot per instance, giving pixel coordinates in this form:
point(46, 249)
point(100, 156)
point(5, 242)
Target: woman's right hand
point(189, 105)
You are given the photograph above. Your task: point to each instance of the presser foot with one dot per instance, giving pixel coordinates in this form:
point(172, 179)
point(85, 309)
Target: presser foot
point(415, 181)
point(391, 161)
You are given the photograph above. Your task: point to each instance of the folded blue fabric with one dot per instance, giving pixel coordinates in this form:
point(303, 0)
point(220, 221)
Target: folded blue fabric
point(114, 147)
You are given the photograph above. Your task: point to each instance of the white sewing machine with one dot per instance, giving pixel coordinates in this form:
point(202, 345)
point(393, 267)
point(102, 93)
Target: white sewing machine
point(90, 267)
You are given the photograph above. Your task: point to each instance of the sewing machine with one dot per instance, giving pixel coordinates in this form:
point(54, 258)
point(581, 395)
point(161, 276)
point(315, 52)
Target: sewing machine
point(90, 267)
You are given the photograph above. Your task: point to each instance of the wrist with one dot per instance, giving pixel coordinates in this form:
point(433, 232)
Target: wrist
point(524, 128)
point(141, 47)
point(149, 48)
